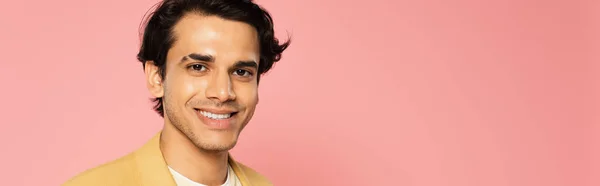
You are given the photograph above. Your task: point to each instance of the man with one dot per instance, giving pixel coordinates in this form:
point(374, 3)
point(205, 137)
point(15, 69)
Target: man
point(203, 60)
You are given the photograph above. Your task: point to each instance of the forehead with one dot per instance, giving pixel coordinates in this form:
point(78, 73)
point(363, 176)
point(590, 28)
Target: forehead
point(211, 35)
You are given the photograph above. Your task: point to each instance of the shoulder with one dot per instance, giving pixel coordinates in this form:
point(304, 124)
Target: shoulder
point(117, 172)
point(253, 176)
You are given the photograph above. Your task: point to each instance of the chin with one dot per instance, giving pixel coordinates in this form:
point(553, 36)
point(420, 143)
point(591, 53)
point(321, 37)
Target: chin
point(216, 142)
point(215, 147)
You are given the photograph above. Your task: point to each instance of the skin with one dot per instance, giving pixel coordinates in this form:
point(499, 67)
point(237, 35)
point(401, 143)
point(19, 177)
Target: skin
point(227, 82)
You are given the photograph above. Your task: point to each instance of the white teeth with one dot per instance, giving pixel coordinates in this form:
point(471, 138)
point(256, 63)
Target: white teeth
point(215, 116)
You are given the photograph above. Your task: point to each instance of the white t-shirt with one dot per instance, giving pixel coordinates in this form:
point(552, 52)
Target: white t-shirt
point(180, 180)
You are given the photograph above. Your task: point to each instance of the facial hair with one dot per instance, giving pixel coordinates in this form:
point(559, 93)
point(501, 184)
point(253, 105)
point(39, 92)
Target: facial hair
point(177, 119)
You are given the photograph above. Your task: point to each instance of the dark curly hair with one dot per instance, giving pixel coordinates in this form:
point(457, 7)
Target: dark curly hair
point(157, 36)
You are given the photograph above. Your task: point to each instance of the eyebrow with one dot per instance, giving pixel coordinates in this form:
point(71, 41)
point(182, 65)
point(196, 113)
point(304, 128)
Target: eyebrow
point(199, 57)
point(209, 58)
point(251, 64)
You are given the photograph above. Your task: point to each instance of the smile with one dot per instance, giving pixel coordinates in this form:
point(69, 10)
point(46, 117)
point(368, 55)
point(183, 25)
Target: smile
point(215, 116)
point(217, 119)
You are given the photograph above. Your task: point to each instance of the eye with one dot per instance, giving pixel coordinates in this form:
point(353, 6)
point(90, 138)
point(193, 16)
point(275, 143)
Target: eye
point(242, 72)
point(197, 67)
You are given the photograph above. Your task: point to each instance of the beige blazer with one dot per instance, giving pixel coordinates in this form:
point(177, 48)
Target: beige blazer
point(147, 167)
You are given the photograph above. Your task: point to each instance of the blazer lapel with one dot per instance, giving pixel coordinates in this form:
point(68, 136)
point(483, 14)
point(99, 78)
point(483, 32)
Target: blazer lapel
point(239, 172)
point(152, 168)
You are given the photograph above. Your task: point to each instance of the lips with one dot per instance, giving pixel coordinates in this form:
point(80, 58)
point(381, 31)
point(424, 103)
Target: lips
point(216, 119)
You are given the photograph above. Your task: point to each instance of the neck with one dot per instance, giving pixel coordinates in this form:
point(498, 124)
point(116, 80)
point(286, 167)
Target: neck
point(208, 168)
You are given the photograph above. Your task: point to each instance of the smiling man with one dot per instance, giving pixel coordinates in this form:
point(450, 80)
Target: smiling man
point(203, 60)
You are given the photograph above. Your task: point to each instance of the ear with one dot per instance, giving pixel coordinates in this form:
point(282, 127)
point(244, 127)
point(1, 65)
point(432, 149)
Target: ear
point(153, 79)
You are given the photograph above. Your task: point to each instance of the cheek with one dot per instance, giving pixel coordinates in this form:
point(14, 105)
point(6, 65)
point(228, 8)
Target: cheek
point(195, 85)
point(248, 94)
point(183, 88)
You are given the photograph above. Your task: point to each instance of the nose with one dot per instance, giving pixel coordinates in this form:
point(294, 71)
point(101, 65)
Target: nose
point(220, 88)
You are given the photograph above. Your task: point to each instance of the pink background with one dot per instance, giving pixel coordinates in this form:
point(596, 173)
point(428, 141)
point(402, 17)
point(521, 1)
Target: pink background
point(412, 93)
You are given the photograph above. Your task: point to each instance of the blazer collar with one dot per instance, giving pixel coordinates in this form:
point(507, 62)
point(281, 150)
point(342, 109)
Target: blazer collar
point(153, 169)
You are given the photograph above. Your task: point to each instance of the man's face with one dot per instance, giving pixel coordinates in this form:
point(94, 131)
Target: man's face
point(210, 84)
